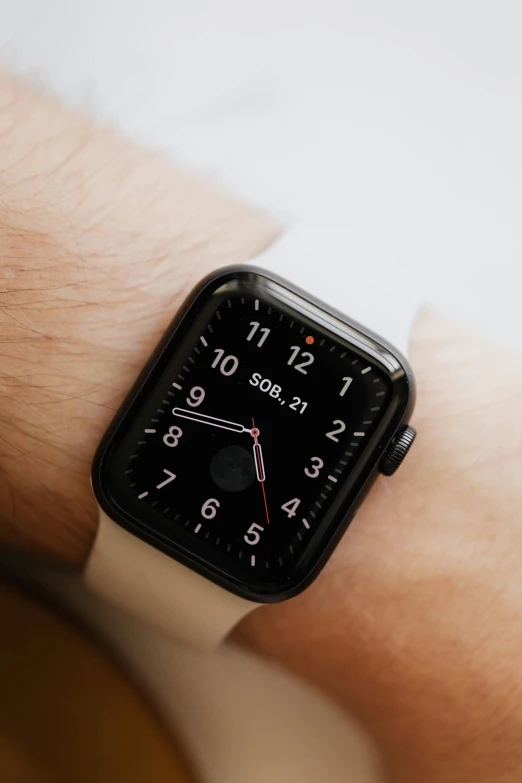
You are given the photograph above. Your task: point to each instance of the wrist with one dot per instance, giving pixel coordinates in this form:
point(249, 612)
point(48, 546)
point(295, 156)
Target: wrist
point(413, 623)
point(100, 243)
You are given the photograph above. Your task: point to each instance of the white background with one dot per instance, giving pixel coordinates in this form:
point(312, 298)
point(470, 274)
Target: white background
point(403, 119)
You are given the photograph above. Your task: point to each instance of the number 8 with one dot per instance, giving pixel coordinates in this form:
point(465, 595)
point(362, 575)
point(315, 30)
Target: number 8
point(172, 437)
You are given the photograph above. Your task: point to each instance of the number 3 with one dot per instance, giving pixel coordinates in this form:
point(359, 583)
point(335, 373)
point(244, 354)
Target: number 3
point(313, 472)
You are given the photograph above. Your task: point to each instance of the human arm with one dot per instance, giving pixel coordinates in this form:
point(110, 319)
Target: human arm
point(99, 244)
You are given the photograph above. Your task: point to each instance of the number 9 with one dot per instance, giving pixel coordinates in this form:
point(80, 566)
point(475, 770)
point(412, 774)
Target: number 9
point(196, 397)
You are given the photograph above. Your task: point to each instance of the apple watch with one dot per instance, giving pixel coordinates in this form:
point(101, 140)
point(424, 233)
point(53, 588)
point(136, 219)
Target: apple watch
point(250, 439)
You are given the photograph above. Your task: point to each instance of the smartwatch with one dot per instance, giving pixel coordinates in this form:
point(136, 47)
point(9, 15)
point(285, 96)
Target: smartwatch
point(251, 437)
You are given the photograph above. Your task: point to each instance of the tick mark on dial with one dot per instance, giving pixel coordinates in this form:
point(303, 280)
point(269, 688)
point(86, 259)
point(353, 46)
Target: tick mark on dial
point(131, 470)
point(376, 380)
point(359, 434)
point(203, 341)
point(133, 485)
point(210, 329)
point(380, 394)
point(197, 528)
point(191, 360)
point(355, 361)
point(332, 478)
point(143, 495)
point(256, 304)
point(150, 432)
point(218, 315)
point(229, 303)
point(253, 560)
point(187, 369)
point(177, 386)
point(305, 523)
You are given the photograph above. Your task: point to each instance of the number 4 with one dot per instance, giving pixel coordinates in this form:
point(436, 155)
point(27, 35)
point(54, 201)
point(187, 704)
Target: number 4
point(291, 506)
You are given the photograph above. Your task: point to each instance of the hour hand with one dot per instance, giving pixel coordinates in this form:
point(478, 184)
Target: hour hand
point(202, 418)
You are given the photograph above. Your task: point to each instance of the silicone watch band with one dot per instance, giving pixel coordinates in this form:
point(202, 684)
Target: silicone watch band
point(159, 590)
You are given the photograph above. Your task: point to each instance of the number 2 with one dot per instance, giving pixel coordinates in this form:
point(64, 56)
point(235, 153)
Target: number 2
point(340, 428)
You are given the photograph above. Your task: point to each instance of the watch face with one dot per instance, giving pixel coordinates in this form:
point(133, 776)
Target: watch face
point(244, 447)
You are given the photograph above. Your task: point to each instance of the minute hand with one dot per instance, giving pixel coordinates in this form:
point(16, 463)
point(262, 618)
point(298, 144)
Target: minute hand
point(202, 418)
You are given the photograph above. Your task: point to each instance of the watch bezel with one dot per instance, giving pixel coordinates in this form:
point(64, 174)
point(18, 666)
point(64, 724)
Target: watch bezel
point(360, 480)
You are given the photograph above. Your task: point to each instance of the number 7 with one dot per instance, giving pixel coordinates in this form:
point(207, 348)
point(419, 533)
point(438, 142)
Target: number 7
point(171, 477)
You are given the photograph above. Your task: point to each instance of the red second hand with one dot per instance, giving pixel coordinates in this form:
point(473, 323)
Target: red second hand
point(255, 433)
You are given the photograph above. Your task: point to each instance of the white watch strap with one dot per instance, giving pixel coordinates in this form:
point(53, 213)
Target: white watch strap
point(160, 591)
point(149, 584)
point(316, 260)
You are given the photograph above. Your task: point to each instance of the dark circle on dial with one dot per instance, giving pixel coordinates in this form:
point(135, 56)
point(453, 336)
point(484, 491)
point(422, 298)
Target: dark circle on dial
point(232, 468)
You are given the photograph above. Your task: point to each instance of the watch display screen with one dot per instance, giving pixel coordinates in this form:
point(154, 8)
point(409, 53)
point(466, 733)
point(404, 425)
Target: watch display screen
point(244, 446)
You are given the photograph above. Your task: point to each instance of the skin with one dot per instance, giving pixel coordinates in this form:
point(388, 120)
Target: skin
point(415, 625)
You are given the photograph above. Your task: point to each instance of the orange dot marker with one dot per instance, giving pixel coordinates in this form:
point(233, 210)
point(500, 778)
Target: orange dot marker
point(309, 340)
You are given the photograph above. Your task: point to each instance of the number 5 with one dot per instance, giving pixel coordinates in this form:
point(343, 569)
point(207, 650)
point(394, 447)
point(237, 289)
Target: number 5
point(252, 536)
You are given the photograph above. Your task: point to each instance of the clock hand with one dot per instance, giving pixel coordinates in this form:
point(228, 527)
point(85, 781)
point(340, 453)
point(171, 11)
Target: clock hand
point(260, 466)
point(202, 418)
